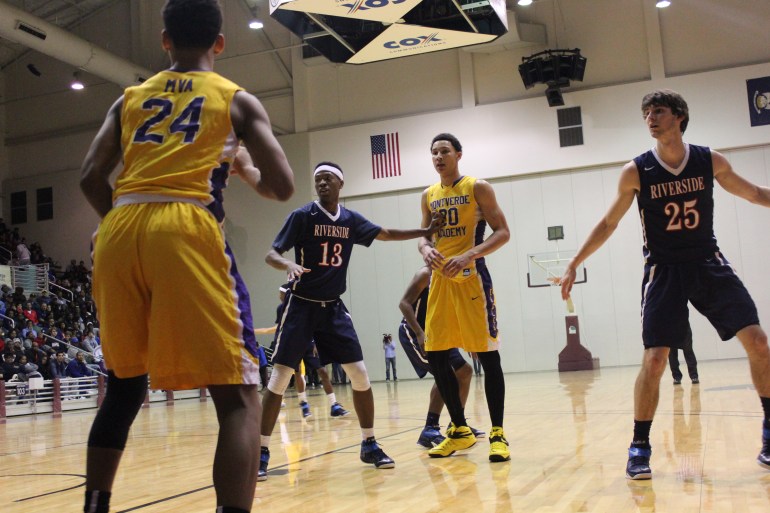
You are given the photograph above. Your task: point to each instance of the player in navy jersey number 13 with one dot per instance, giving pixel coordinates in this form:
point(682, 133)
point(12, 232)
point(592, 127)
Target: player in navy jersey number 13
point(322, 234)
point(673, 185)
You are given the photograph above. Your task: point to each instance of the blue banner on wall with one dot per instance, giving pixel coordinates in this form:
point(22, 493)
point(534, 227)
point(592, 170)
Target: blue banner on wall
point(758, 90)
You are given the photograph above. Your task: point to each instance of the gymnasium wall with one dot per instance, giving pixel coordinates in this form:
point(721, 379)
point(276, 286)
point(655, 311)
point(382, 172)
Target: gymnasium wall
point(512, 143)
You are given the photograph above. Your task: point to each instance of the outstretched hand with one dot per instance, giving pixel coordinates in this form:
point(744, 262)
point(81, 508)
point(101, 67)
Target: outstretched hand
point(566, 282)
point(437, 220)
point(294, 271)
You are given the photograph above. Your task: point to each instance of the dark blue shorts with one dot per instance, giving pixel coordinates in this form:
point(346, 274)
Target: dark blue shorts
point(311, 359)
point(328, 324)
point(711, 286)
point(418, 360)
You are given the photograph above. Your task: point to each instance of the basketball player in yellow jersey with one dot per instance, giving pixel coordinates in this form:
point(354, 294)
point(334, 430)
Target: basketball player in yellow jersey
point(461, 303)
point(171, 302)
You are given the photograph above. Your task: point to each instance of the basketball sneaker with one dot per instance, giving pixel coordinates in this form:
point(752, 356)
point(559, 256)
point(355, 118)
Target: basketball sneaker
point(498, 445)
point(476, 432)
point(305, 409)
point(338, 410)
point(457, 439)
point(638, 466)
point(264, 459)
point(371, 453)
point(764, 455)
point(430, 437)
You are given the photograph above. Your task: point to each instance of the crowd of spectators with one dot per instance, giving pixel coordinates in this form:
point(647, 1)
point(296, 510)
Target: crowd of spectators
point(49, 334)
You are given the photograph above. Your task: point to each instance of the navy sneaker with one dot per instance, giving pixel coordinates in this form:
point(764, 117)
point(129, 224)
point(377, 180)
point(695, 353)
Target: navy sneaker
point(264, 459)
point(764, 455)
point(430, 437)
point(371, 453)
point(638, 466)
point(477, 432)
point(305, 409)
point(338, 410)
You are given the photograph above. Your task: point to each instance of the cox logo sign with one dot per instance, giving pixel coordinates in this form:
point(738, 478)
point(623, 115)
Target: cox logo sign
point(365, 5)
point(412, 41)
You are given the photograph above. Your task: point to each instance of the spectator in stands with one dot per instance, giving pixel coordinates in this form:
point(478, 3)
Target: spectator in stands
point(74, 345)
point(29, 330)
point(89, 342)
point(35, 353)
point(71, 270)
point(44, 367)
point(18, 296)
point(44, 298)
point(29, 312)
point(77, 368)
point(17, 348)
point(9, 367)
point(53, 344)
point(22, 252)
point(58, 366)
point(26, 369)
point(43, 314)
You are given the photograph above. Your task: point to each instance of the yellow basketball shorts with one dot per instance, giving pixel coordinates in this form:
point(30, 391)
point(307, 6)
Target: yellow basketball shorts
point(461, 313)
point(166, 298)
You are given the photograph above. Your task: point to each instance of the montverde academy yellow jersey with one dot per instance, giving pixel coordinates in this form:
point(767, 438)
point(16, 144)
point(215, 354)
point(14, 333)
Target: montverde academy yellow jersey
point(464, 226)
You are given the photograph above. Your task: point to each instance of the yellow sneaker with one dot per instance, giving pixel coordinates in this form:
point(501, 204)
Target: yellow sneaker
point(457, 439)
point(498, 445)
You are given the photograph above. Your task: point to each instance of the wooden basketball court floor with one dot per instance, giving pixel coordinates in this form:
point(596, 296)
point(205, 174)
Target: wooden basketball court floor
point(568, 433)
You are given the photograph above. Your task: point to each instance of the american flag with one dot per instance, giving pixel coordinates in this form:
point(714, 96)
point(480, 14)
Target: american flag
point(386, 158)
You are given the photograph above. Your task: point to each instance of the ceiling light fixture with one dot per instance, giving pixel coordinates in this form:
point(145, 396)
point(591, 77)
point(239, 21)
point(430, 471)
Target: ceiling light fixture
point(660, 4)
point(524, 2)
point(76, 84)
point(255, 24)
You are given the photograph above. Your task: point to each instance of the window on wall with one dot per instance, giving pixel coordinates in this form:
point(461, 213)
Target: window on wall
point(45, 204)
point(19, 207)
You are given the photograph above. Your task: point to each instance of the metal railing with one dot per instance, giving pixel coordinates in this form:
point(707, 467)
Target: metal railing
point(38, 396)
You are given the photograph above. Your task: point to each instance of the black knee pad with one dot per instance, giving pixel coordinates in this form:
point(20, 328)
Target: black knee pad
point(122, 402)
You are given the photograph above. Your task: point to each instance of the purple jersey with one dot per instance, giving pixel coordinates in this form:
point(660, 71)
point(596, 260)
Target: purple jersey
point(676, 207)
point(323, 243)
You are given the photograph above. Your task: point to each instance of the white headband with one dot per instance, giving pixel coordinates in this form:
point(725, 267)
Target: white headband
point(331, 169)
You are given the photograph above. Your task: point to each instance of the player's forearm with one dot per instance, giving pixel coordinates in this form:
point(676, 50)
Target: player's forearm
point(277, 261)
point(595, 240)
point(409, 317)
point(98, 192)
point(394, 234)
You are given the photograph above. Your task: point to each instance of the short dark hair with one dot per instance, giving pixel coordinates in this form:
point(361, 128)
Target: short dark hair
point(670, 99)
point(451, 139)
point(192, 23)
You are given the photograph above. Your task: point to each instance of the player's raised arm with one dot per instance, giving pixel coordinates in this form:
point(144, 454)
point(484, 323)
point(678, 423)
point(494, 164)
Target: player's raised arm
point(252, 125)
point(396, 234)
point(735, 184)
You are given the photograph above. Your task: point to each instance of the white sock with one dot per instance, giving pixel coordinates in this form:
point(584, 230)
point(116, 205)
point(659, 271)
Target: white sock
point(367, 433)
point(332, 398)
point(302, 397)
point(264, 441)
